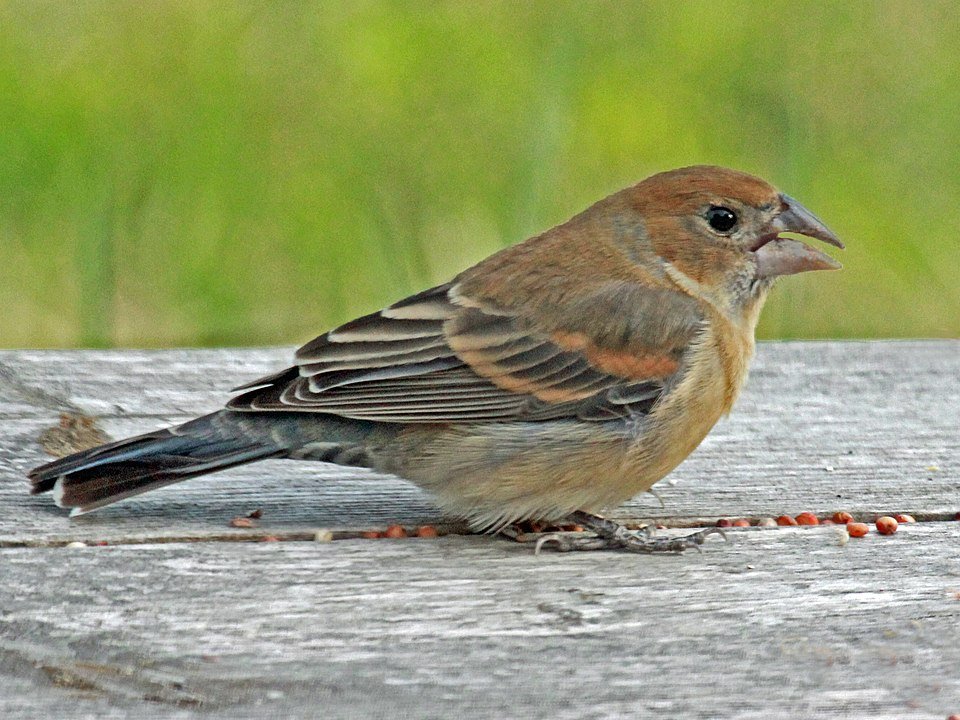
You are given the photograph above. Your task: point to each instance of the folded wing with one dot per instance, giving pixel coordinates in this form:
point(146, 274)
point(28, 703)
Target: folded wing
point(438, 357)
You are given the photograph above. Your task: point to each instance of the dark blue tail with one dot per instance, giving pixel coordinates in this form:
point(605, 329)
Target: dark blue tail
point(103, 475)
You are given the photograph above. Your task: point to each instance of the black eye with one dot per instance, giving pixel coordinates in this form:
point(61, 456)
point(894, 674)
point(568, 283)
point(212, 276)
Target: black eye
point(721, 219)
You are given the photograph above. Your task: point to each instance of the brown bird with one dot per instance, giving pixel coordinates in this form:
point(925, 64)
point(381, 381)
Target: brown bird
point(553, 380)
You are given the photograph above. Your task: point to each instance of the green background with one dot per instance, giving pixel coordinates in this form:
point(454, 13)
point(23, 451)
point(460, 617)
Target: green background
point(210, 173)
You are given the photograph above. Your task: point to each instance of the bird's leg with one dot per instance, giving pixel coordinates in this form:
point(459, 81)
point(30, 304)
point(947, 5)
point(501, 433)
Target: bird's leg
point(613, 536)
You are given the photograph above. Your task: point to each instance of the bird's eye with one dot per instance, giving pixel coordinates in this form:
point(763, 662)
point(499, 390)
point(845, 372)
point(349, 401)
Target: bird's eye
point(721, 219)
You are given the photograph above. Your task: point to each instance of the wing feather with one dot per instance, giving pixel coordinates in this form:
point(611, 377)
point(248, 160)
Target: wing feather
point(440, 357)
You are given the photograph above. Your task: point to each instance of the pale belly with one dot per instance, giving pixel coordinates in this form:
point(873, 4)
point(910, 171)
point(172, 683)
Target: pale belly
point(498, 473)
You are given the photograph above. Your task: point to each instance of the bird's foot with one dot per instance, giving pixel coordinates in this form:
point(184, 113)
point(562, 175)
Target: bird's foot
point(526, 531)
point(613, 536)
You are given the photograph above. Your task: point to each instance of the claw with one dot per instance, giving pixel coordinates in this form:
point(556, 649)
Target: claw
point(653, 492)
point(717, 531)
point(569, 543)
point(548, 539)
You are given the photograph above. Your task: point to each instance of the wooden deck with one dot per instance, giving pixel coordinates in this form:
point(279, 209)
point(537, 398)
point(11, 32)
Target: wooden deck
point(167, 613)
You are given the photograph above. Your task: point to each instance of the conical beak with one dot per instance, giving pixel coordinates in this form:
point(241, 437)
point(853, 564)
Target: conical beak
point(782, 256)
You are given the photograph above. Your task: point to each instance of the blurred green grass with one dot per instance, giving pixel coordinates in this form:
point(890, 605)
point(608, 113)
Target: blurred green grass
point(211, 173)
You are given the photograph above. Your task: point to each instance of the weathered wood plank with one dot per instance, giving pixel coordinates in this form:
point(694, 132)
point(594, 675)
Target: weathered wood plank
point(865, 426)
point(779, 623)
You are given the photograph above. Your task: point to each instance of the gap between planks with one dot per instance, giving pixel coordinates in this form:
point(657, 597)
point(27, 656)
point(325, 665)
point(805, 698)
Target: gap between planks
point(323, 535)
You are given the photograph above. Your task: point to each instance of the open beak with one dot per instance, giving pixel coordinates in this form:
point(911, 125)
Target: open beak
point(782, 256)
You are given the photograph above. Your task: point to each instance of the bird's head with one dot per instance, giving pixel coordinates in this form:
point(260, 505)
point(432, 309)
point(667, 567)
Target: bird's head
point(719, 232)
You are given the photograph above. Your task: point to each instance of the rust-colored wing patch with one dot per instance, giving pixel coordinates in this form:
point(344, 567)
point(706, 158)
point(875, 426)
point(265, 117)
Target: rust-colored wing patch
point(626, 364)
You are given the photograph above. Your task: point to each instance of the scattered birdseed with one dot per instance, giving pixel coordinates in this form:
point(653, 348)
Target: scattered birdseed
point(886, 525)
point(323, 535)
point(857, 529)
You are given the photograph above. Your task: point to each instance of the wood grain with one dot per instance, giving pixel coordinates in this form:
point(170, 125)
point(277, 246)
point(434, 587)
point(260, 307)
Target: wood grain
point(775, 623)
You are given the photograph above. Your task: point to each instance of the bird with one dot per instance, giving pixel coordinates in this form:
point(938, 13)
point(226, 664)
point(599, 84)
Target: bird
point(553, 380)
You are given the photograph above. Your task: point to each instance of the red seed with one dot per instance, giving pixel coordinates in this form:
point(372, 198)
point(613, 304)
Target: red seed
point(370, 535)
point(827, 521)
point(243, 522)
point(427, 531)
point(857, 529)
point(904, 518)
point(807, 518)
point(786, 520)
point(886, 525)
point(395, 531)
point(724, 522)
point(842, 517)
point(742, 522)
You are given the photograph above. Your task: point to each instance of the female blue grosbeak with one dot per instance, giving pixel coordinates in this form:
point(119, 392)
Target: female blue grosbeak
point(555, 379)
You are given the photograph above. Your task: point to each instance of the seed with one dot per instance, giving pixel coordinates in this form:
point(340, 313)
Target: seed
point(807, 518)
point(842, 517)
point(395, 531)
point(370, 535)
point(886, 525)
point(427, 531)
point(724, 522)
point(904, 518)
point(742, 522)
point(857, 529)
point(786, 520)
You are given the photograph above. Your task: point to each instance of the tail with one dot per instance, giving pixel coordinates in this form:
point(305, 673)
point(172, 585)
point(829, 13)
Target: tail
point(103, 475)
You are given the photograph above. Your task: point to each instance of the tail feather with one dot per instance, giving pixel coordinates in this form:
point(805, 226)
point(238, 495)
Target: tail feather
point(103, 475)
